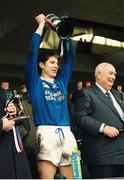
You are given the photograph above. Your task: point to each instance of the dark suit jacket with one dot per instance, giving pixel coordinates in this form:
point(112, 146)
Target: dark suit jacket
point(93, 108)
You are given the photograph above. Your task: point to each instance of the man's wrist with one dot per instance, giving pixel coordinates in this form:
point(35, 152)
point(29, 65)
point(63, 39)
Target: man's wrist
point(40, 29)
point(102, 127)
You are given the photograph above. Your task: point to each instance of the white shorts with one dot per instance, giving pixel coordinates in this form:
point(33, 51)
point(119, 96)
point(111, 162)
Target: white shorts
point(56, 144)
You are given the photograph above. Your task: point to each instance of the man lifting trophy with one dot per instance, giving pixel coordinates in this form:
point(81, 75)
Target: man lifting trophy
point(47, 89)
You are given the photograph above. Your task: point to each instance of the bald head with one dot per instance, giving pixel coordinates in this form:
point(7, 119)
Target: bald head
point(105, 74)
point(101, 67)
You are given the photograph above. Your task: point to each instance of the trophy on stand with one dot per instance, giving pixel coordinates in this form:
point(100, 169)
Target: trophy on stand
point(16, 99)
point(62, 25)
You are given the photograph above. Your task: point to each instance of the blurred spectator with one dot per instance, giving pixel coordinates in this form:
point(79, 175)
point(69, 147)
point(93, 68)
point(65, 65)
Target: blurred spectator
point(5, 85)
point(79, 86)
point(87, 83)
point(119, 89)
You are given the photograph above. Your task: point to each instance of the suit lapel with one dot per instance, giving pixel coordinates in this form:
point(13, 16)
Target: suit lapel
point(104, 99)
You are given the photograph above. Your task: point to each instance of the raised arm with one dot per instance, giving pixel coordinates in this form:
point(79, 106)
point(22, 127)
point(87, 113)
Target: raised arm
point(67, 67)
point(32, 61)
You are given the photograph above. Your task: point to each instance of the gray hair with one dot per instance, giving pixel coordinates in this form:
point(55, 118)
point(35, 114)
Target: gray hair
point(100, 67)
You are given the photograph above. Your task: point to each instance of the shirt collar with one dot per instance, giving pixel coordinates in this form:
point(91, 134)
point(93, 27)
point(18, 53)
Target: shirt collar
point(102, 89)
point(46, 80)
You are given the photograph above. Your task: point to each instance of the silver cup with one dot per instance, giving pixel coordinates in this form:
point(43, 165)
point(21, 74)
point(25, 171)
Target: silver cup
point(62, 26)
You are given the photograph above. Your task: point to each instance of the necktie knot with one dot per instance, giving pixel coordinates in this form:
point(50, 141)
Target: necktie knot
point(108, 94)
point(109, 97)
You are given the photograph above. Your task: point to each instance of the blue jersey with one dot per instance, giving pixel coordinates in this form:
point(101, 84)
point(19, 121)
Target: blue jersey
point(49, 100)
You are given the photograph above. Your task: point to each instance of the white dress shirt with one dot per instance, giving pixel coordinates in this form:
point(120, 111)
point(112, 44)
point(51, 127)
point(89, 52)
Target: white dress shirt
point(116, 105)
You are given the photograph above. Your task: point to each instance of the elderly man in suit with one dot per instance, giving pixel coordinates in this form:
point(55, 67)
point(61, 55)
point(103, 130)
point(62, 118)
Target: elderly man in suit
point(100, 115)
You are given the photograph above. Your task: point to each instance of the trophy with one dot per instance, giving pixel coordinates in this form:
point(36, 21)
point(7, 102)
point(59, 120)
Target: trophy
point(16, 99)
point(61, 25)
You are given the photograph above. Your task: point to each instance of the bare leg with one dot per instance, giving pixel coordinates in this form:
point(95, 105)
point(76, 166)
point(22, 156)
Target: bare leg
point(46, 170)
point(66, 171)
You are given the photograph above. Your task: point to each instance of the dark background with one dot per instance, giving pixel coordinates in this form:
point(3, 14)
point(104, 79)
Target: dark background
point(103, 18)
